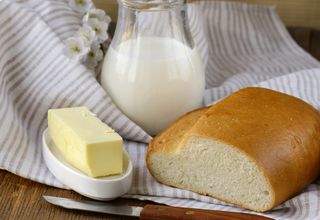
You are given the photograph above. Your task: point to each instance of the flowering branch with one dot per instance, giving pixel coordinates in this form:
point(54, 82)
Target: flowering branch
point(86, 44)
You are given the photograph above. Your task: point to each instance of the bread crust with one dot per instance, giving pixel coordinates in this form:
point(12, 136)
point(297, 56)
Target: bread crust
point(160, 143)
point(279, 132)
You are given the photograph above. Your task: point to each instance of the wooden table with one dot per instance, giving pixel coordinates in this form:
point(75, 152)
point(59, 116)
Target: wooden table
point(22, 199)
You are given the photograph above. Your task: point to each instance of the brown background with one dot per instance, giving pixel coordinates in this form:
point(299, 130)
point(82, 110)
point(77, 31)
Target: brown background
point(296, 13)
point(302, 17)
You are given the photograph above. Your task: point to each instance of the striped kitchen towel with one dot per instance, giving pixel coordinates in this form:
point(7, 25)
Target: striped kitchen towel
point(242, 45)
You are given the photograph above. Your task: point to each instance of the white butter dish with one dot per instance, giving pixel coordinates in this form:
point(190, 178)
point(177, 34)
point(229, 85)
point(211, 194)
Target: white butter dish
point(104, 188)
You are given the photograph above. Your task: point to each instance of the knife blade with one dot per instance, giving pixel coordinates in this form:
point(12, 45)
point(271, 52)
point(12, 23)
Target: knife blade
point(94, 206)
point(150, 212)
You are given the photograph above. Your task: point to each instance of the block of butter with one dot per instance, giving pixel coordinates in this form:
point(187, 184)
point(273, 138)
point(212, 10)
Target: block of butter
point(85, 141)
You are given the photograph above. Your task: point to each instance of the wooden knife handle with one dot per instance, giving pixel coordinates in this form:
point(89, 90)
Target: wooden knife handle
point(161, 212)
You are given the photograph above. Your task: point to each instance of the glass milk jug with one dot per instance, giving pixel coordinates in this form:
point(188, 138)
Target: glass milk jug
point(152, 70)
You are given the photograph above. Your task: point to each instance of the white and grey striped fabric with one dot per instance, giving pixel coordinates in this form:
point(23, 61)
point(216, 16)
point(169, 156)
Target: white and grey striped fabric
point(242, 45)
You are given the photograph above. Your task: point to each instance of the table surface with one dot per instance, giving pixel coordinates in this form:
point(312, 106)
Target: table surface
point(22, 198)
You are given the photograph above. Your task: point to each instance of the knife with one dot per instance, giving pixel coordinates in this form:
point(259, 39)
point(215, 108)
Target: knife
point(150, 212)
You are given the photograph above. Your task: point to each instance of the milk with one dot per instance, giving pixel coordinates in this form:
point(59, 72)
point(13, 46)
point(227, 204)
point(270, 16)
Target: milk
point(153, 80)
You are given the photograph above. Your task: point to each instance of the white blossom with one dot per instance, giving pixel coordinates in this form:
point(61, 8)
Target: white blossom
point(87, 33)
point(81, 6)
point(92, 37)
point(75, 48)
point(94, 56)
point(96, 14)
point(100, 28)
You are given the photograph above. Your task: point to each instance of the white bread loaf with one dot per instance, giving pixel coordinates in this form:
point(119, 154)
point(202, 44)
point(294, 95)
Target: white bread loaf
point(255, 149)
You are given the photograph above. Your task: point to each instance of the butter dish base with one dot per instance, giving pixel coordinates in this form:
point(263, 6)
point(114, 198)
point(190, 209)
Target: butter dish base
point(103, 188)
